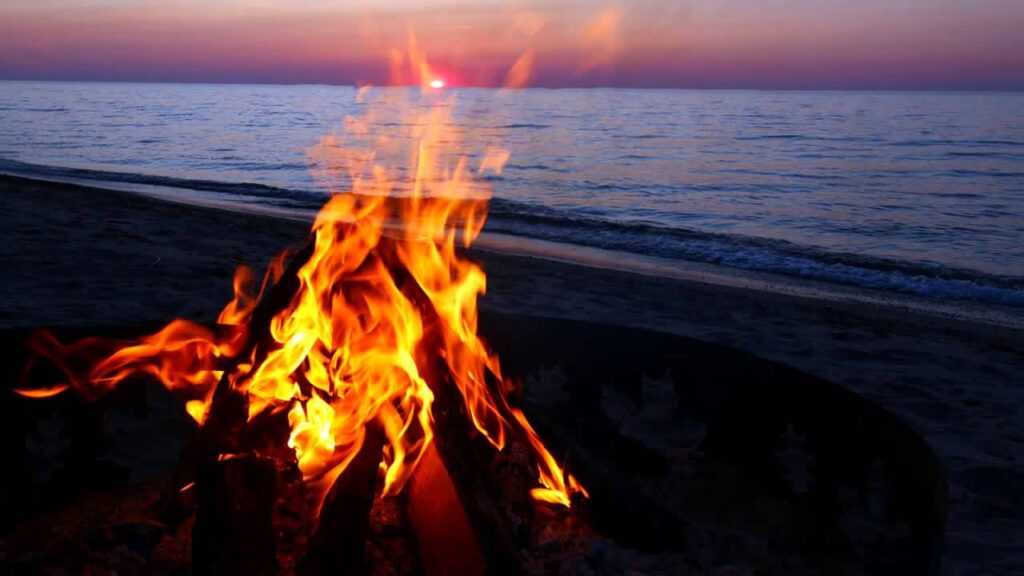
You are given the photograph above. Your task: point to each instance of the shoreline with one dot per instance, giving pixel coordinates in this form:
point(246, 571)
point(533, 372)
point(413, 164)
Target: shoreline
point(703, 273)
point(75, 255)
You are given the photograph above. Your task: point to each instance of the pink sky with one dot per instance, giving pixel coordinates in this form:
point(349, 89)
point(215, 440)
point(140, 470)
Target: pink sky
point(677, 43)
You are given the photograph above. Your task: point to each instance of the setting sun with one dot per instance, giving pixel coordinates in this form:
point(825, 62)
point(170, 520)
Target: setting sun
point(437, 84)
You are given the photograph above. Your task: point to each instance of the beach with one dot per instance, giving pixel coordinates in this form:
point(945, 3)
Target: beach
point(81, 256)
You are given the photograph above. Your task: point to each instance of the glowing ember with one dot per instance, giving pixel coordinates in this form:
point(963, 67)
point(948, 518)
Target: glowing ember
point(384, 313)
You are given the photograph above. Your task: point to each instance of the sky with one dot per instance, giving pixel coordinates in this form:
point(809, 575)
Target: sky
point(787, 44)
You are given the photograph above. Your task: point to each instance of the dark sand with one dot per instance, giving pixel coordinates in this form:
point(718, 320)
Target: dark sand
point(80, 256)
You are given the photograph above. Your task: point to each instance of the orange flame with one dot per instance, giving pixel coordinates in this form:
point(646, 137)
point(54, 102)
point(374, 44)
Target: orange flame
point(519, 75)
point(602, 40)
point(42, 392)
point(384, 314)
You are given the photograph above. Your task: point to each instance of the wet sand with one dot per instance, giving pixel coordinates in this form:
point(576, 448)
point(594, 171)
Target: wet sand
point(80, 256)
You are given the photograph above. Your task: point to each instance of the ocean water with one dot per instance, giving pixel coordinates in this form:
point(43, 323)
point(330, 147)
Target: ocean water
point(915, 193)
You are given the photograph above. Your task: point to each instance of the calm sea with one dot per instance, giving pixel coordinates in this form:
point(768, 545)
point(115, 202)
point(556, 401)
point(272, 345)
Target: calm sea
point(913, 193)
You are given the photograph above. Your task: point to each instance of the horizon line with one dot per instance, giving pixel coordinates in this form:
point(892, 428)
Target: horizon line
point(356, 85)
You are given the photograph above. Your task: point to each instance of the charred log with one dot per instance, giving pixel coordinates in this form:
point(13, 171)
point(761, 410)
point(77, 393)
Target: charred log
point(450, 487)
point(338, 545)
point(234, 529)
point(222, 529)
point(445, 536)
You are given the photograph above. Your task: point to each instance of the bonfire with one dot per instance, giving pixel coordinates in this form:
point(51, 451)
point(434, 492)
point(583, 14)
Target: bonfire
point(345, 356)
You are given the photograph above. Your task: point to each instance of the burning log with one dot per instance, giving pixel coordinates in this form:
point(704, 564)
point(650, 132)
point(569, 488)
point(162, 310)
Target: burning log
point(449, 487)
point(338, 546)
point(434, 502)
point(227, 411)
point(225, 487)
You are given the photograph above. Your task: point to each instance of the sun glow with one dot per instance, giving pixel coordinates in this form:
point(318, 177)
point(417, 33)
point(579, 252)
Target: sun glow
point(437, 83)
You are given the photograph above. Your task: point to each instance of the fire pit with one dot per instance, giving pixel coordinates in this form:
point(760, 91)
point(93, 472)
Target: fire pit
point(696, 457)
